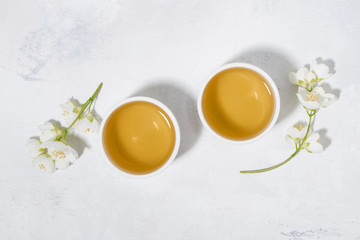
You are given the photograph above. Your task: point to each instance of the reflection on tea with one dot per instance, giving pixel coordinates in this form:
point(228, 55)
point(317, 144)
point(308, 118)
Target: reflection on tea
point(139, 137)
point(238, 103)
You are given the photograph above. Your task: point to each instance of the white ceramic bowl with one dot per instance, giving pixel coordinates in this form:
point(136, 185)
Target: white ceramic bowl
point(264, 75)
point(172, 118)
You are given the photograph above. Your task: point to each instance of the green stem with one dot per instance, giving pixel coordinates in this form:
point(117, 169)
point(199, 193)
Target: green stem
point(83, 107)
point(292, 155)
point(89, 109)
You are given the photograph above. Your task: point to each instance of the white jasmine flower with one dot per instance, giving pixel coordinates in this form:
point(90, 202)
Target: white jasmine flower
point(44, 163)
point(61, 164)
point(303, 77)
point(48, 132)
point(315, 99)
point(69, 112)
point(312, 144)
point(296, 133)
point(321, 70)
point(33, 148)
point(59, 151)
point(87, 124)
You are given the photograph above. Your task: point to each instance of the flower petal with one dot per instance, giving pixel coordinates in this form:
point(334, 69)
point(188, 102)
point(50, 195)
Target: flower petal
point(303, 99)
point(310, 76)
point(44, 163)
point(289, 139)
point(67, 113)
point(315, 147)
point(84, 125)
point(330, 98)
point(58, 150)
point(48, 132)
point(319, 90)
point(321, 70)
point(301, 73)
point(313, 144)
point(316, 98)
point(293, 79)
point(313, 137)
point(33, 148)
point(292, 132)
point(62, 164)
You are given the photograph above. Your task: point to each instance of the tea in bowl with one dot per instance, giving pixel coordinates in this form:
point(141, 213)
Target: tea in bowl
point(140, 137)
point(239, 103)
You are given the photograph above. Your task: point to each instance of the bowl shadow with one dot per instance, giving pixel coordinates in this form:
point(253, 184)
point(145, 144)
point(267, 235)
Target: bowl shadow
point(183, 106)
point(278, 66)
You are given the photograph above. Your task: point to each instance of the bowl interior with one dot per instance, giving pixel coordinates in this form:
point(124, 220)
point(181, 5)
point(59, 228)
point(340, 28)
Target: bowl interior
point(239, 103)
point(139, 137)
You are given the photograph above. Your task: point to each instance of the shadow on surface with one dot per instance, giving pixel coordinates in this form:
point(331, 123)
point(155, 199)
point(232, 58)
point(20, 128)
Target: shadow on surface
point(324, 139)
point(77, 142)
point(328, 62)
point(327, 88)
point(183, 106)
point(278, 66)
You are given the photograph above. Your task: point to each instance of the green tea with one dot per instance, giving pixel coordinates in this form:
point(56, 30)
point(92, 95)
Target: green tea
point(238, 103)
point(139, 137)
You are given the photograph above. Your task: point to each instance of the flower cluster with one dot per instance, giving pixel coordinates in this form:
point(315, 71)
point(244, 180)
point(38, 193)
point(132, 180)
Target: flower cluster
point(85, 124)
point(312, 97)
point(296, 134)
point(307, 78)
point(51, 152)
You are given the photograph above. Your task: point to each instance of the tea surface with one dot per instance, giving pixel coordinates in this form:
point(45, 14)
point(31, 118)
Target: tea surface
point(139, 137)
point(238, 103)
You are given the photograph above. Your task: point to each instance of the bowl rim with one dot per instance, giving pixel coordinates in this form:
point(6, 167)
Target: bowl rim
point(172, 118)
point(257, 70)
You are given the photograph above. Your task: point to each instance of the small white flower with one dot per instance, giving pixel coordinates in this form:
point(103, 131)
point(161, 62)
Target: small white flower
point(87, 124)
point(296, 133)
point(59, 151)
point(321, 70)
point(44, 163)
point(61, 164)
point(312, 144)
point(33, 148)
point(69, 112)
point(48, 132)
point(315, 99)
point(303, 77)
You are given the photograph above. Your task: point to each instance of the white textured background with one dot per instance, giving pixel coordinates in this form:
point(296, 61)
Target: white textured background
point(52, 50)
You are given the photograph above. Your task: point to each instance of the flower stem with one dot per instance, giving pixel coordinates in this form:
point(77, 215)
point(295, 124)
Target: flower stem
point(83, 107)
point(310, 114)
